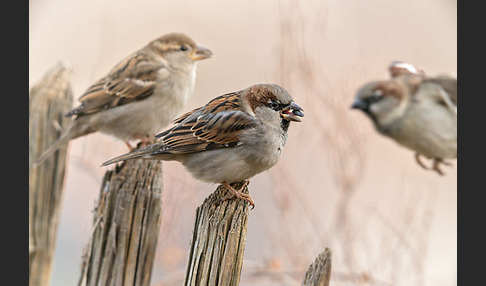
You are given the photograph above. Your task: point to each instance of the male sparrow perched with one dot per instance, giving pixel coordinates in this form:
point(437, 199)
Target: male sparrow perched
point(140, 95)
point(230, 139)
point(415, 112)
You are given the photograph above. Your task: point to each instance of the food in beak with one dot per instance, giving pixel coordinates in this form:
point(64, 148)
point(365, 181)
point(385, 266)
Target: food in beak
point(292, 112)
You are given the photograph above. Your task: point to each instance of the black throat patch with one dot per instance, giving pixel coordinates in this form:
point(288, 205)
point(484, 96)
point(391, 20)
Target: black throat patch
point(285, 125)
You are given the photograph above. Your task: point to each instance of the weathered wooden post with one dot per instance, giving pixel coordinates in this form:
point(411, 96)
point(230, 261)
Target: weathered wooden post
point(49, 100)
point(218, 242)
point(319, 272)
point(126, 226)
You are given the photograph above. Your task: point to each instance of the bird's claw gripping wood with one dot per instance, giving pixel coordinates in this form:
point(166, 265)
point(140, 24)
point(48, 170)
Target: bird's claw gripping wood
point(238, 193)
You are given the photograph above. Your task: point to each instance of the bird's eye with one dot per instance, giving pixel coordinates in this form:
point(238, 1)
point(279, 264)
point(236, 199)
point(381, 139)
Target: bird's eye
point(274, 105)
point(183, 48)
point(376, 96)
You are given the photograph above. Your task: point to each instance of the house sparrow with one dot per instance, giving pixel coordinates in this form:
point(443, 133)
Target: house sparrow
point(415, 112)
point(140, 95)
point(230, 139)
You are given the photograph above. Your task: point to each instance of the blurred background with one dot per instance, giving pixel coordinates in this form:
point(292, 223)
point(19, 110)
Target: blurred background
point(338, 184)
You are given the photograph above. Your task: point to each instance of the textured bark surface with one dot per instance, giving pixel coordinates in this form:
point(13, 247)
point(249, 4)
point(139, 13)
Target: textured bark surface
point(218, 242)
point(126, 226)
point(49, 100)
point(319, 272)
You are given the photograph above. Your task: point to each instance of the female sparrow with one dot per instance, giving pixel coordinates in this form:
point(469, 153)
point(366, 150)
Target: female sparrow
point(230, 139)
point(415, 112)
point(140, 95)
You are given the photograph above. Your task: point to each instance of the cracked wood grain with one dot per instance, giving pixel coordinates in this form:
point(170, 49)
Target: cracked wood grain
point(126, 225)
point(218, 242)
point(49, 100)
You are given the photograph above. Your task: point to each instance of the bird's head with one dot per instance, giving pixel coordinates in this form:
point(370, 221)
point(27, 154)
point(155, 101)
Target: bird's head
point(383, 101)
point(179, 47)
point(272, 103)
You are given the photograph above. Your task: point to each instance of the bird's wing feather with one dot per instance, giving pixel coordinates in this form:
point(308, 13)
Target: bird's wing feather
point(432, 89)
point(216, 125)
point(449, 84)
point(132, 79)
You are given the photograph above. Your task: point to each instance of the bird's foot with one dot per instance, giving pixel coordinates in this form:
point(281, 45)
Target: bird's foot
point(419, 161)
point(437, 164)
point(238, 193)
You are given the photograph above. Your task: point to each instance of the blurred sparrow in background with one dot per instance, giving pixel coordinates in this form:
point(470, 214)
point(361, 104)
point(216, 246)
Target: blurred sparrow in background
point(230, 139)
point(416, 111)
point(140, 95)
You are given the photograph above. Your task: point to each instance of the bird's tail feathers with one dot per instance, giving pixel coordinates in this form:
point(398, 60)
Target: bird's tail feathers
point(131, 155)
point(53, 148)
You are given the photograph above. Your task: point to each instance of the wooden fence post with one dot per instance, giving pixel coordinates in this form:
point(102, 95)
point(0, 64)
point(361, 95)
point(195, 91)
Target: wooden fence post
point(121, 249)
point(49, 100)
point(319, 272)
point(218, 242)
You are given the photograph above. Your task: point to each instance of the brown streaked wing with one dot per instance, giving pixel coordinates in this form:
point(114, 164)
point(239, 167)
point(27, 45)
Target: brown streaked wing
point(132, 79)
point(183, 117)
point(213, 126)
point(227, 101)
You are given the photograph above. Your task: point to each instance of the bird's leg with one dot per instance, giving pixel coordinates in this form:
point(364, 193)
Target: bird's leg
point(419, 161)
point(436, 166)
point(238, 193)
point(144, 141)
point(130, 147)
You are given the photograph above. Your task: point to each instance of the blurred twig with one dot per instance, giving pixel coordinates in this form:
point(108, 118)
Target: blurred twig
point(327, 105)
point(299, 71)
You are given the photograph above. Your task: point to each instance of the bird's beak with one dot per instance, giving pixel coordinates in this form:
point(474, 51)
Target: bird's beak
point(292, 112)
point(360, 104)
point(200, 53)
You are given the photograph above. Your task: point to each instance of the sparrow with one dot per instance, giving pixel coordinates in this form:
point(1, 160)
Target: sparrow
point(415, 112)
point(140, 95)
point(232, 138)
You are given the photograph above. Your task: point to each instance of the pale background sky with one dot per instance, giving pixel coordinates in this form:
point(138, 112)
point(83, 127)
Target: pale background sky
point(401, 227)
